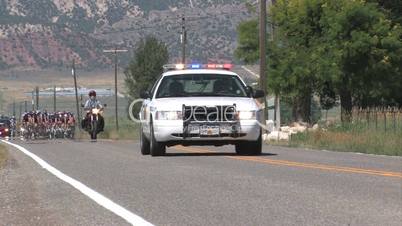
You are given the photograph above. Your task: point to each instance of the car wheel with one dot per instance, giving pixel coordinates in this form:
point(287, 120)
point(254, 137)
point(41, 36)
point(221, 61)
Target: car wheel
point(156, 148)
point(249, 147)
point(144, 144)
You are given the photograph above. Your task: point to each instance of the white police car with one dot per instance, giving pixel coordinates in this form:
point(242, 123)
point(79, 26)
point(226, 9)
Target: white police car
point(200, 105)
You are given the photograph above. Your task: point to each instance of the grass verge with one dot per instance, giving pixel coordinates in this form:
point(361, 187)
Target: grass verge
point(351, 138)
point(128, 130)
point(3, 155)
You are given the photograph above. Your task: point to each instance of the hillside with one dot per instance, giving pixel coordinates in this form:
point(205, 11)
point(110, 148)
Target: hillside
point(50, 33)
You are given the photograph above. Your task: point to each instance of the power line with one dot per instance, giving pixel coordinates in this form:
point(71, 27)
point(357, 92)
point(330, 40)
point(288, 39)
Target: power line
point(76, 91)
point(115, 52)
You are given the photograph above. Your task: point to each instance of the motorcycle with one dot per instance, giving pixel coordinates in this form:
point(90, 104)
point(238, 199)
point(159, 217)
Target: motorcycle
point(92, 125)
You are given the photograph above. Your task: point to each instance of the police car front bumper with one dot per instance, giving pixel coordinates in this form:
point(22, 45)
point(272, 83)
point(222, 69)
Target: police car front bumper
point(174, 130)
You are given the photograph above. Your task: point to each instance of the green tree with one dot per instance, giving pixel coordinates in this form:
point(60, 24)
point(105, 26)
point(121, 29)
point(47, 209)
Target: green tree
point(149, 57)
point(327, 98)
point(366, 46)
point(392, 7)
point(294, 60)
point(248, 42)
point(291, 73)
point(348, 45)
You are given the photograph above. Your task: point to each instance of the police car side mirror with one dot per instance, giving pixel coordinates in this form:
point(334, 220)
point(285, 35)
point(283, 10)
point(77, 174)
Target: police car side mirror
point(258, 94)
point(249, 91)
point(145, 95)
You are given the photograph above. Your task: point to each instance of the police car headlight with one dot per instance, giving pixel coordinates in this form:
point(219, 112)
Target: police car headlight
point(168, 115)
point(247, 115)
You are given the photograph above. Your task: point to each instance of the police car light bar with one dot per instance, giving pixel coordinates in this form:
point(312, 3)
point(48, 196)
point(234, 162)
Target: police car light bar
point(169, 67)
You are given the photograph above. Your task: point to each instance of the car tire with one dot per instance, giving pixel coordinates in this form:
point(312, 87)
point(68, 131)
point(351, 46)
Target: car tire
point(144, 144)
point(249, 147)
point(156, 148)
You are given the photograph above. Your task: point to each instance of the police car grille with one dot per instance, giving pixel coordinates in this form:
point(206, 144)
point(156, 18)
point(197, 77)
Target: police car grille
point(209, 114)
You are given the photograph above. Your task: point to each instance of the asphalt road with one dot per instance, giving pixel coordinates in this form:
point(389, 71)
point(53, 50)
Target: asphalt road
point(205, 186)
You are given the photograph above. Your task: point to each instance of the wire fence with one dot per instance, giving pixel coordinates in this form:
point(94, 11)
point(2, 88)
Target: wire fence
point(387, 119)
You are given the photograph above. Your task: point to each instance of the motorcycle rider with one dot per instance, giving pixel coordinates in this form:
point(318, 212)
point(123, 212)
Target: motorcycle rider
point(90, 104)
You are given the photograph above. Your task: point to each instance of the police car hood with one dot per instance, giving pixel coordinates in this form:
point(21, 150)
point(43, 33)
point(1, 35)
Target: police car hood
point(176, 104)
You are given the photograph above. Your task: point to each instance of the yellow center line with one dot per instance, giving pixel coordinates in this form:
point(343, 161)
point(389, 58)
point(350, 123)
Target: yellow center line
point(298, 164)
point(327, 166)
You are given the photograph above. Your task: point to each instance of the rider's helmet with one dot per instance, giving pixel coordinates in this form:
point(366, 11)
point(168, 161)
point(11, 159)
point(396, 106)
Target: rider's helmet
point(92, 93)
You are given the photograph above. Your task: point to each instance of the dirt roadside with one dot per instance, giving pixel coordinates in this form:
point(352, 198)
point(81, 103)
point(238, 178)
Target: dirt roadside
point(3, 156)
point(19, 204)
point(30, 195)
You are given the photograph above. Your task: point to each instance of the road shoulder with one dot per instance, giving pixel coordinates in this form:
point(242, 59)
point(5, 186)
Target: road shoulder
point(3, 156)
point(19, 201)
point(31, 196)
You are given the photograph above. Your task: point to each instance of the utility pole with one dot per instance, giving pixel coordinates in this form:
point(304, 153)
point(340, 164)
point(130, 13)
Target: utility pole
point(263, 57)
point(76, 91)
point(115, 51)
point(14, 110)
point(33, 100)
point(81, 101)
point(183, 40)
point(277, 102)
point(37, 98)
point(19, 116)
point(54, 99)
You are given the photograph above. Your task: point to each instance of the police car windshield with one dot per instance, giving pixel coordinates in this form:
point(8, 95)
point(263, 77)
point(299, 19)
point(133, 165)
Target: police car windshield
point(200, 85)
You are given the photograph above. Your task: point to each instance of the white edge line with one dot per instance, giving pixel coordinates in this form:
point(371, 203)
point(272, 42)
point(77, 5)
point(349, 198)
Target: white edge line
point(250, 71)
point(90, 193)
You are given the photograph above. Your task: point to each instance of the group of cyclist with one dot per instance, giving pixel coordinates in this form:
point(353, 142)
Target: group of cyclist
point(38, 124)
point(53, 125)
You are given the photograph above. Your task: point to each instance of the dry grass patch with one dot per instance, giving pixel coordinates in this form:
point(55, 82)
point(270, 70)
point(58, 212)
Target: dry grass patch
point(3, 155)
point(368, 141)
